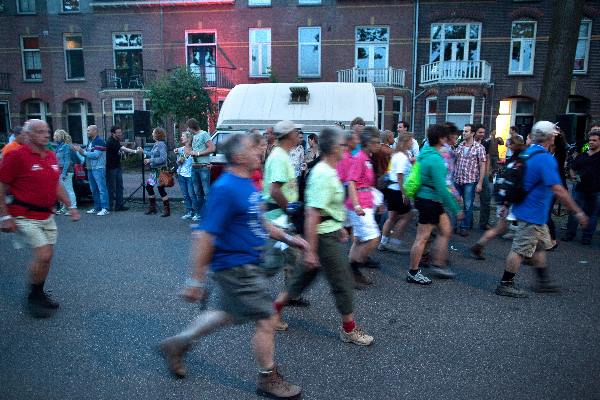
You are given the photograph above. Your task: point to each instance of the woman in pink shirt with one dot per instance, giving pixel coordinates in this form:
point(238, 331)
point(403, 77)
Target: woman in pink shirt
point(360, 203)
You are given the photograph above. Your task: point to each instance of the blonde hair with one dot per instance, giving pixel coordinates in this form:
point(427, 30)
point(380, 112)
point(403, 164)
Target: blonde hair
point(402, 139)
point(60, 135)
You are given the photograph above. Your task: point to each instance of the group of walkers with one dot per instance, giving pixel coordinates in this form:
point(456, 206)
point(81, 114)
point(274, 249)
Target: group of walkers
point(280, 207)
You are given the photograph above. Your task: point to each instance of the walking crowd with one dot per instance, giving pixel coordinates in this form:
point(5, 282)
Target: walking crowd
point(283, 204)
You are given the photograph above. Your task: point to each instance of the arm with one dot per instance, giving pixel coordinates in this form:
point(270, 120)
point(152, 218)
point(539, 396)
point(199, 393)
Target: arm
point(312, 221)
point(482, 169)
point(353, 194)
point(202, 251)
point(66, 161)
point(210, 148)
point(162, 156)
point(7, 224)
point(438, 175)
point(277, 195)
point(281, 236)
point(563, 196)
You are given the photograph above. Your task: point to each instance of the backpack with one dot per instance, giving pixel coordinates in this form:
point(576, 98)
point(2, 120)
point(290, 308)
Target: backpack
point(412, 183)
point(509, 187)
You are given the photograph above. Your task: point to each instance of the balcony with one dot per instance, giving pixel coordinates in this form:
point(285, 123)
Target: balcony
point(5, 82)
point(456, 72)
point(379, 77)
point(117, 79)
point(212, 77)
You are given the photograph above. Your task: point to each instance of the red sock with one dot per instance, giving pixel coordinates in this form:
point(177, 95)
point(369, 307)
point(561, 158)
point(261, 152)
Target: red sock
point(348, 326)
point(278, 307)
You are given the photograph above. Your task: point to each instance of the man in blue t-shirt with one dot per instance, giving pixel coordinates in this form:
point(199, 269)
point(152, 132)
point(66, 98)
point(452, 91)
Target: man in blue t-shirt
point(230, 240)
point(542, 182)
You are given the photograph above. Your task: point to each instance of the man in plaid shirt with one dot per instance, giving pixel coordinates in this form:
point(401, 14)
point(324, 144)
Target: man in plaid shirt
point(469, 172)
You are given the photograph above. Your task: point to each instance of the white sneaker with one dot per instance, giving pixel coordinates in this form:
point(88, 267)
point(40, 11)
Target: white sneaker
point(418, 278)
point(188, 216)
point(196, 218)
point(103, 212)
point(357, 336)
point(92, 211)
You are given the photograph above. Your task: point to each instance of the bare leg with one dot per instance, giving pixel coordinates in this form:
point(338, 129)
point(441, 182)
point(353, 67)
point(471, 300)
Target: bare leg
point(263, 343)
point(539, 259)
point(513, 262)
point(205, 323)
point(390, 223)
point(40, 265)
point(416, 252)
point(439, 252)
point(498, 230)
point(364, 249)
point(401, 225)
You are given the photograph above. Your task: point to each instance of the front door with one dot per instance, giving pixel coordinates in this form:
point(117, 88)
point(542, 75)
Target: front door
point(4, 120)
point(77, 121)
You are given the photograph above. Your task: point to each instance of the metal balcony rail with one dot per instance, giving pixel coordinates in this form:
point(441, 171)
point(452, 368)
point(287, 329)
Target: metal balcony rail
point(127, 78)
point(456, 72)
point(380, 77)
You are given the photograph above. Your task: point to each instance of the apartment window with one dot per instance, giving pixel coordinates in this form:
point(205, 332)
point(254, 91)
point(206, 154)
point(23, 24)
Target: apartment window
point(259, 2)
point(32, 62)
point(129, 65)
point(308, 2)
point(36, 109)
point(380, 112)
point(201, 52)
point(260, 52)
point(147, 105)
point(309, 52)
point(26, 6)
point(70, 6)
point(459, 110)
point(583, 47)
point(430, 112)
point(372, 44)
point(397, 107)
point(522, 47)
point(577, 106)
point(123, 116)
point(73, 45)
point(455, 42)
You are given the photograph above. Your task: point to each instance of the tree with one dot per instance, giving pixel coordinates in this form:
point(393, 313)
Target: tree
point(179, 96)
point(556, 84)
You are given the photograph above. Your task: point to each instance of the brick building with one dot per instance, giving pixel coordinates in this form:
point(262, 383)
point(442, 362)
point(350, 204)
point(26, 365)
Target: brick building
point(77, 62)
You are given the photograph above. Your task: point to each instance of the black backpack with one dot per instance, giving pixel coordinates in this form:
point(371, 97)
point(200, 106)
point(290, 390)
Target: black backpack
point(509, 187)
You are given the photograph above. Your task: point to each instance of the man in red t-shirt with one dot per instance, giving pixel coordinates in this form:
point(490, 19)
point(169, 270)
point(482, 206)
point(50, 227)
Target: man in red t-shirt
point(31, 173)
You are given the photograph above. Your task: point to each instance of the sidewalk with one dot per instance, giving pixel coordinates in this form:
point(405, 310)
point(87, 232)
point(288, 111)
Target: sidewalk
point(132, 180)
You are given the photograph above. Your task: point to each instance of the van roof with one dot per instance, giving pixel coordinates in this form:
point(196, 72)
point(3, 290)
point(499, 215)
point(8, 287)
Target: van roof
point(263, 105)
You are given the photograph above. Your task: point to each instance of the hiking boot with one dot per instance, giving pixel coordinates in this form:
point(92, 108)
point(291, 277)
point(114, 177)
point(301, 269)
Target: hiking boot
point(280, 325)
point(173, 349)
point(357, 336)
point(546, 286)
point(41, 305)
point(400, 249)
point(443, 273)
point(272, 385)
point(166, 209)
point(418, 278)
point(509, 289)
point(361, 280)
point(477, 251)
point(299, 302)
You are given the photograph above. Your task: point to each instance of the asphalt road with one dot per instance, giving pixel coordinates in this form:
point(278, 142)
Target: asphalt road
point(117, 279)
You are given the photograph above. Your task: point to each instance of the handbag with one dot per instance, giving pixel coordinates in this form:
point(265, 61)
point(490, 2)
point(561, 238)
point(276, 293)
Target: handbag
point(79, 172)
point(165, 179)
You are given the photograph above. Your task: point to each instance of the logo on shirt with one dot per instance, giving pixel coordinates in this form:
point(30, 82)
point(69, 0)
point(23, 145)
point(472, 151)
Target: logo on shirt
point(36, 167)
point(255, 213)
point(55, 167)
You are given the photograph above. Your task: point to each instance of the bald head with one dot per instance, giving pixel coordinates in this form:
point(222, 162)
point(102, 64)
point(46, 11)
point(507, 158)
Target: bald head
point(92, 131)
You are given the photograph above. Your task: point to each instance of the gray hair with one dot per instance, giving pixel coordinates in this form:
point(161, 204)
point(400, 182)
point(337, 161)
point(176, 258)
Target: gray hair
point(368, 134)
point(233, 146)
point(328, 138)
point(29, 125)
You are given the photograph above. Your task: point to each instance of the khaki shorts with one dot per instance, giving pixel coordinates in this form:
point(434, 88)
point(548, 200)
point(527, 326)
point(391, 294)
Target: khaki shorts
point(530, 238)
point(35, 233)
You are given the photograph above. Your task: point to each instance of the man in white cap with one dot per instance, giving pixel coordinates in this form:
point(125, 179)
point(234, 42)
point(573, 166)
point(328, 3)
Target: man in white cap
point(541, 181)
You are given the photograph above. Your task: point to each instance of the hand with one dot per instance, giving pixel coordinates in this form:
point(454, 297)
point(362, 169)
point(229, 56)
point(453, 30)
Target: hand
point(146, 161)
point(503, 212)
point(359, 211)
point(582, 218)
point(76, 148)
point(299, 243)
point(343, 236)
point(479, 188)
point(75, 216)
point(175, 150)
point(139, 150)
point(311, 260)
point(8, 226)
point(194, 294)
point(460, 216)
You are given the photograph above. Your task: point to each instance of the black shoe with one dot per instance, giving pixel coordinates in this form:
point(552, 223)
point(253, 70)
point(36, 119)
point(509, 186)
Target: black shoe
point(360, 280)
point(41, 305)
point(477, 251)
point(546, 286)
point(370, 263)
point(299, 302)
point(509, 289)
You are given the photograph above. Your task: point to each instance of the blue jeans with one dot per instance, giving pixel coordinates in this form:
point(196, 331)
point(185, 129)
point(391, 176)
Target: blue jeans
point(467, 192)
point(97, 179)
point(201, 179)
point(590, 203)
point(189, 194)
point(114, 181)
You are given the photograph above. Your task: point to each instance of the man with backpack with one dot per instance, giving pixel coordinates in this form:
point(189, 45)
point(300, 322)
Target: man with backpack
point(531, 197)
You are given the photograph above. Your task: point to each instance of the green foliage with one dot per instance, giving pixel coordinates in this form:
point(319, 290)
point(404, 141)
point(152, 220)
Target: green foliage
point(180, 95)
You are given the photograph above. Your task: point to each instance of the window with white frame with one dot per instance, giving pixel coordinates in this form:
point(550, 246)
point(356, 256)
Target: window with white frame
point(430, 111)
point(123, 116)
point(201, 54)
point(308, 2)
point(32, 62)
point(455, 42)
point(147, 105)
point(259, 2)
point(309, 51)
point(583, 47)
point(372, 45)
point(397, 107)
point(129, 65)
point(73, 45)
point(380, 112)
point(459, 110)
point(36, 109)
point(70, 6)
point(522, 47)
point(260, 52)
point(25, 6)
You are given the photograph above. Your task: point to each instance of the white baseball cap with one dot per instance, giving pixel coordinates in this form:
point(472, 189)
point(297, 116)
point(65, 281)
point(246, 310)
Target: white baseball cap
point(283, 128)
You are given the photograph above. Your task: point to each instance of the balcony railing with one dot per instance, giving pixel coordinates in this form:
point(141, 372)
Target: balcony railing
point(213, 77)
point(380, 77)
point(456, 72)
point(126, 78)
point(5, 82)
